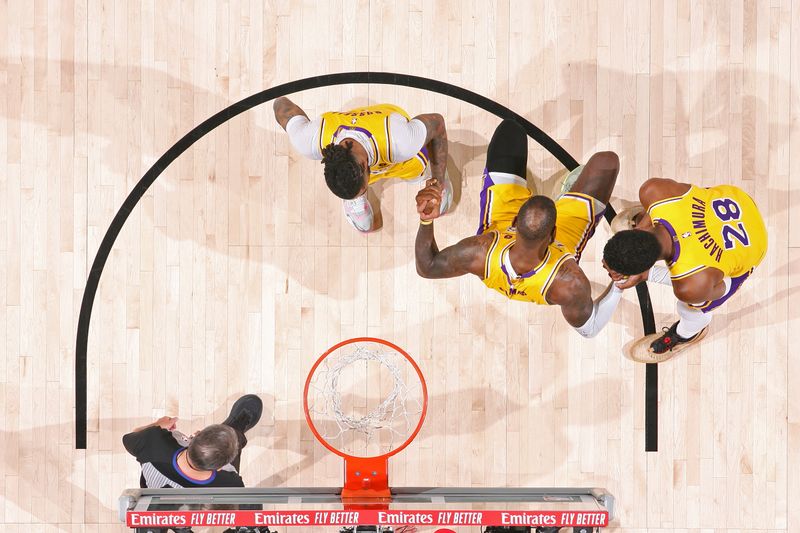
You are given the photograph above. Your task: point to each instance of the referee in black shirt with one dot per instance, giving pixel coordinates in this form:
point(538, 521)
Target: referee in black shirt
point(211, 458)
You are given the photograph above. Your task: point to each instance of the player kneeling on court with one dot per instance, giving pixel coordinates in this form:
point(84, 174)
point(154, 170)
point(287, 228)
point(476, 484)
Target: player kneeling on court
point(365, 145)
point(209, 458)
point(711, 238)
point(528, 247)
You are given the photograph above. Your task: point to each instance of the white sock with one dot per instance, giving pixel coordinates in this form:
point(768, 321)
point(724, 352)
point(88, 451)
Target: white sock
point(692, 320)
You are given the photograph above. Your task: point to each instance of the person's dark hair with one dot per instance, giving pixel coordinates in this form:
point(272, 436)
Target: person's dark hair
point(631, 252)
point(342, 173)
point(536, 218)
point(213, 448)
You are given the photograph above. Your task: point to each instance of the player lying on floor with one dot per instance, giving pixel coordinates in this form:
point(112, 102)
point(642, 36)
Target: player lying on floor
point(527, 247)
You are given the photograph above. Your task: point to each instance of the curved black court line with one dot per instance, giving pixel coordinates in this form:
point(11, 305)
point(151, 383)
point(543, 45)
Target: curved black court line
point(386, 78)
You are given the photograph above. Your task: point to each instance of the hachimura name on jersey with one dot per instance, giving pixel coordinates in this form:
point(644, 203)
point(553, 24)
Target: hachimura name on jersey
point(699, 225)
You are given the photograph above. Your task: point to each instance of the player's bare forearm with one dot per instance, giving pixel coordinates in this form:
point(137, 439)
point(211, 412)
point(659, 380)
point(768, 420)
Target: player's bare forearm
point(465, 257)
point(437, 149)
point(425, 252)
point(285, 109)
point(436, 141)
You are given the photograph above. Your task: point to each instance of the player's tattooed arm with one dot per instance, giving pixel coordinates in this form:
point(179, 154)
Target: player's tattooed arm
point(572, 291)
point(285, 109)
point(466, 257)
point(436, 141)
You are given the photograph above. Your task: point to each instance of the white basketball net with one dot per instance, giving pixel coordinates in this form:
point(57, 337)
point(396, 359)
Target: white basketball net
point(360, 399)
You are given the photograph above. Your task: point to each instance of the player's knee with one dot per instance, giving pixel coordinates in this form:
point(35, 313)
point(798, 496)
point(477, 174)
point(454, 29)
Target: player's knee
point(606, 160)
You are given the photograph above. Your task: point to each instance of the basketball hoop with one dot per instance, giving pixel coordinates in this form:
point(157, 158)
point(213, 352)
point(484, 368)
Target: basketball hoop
point(365, 400)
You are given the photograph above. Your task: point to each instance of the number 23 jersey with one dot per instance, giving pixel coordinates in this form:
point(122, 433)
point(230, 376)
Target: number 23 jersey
point(717, 227)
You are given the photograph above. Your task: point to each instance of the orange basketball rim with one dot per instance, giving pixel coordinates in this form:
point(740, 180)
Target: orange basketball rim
point(361, 400)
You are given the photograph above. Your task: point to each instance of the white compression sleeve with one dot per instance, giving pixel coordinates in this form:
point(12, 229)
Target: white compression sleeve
point(407, 137)
point(659, 274)
point(302, 134)
point(601, 313)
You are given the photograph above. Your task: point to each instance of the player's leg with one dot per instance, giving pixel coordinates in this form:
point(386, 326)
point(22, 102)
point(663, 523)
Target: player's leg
point(695, 318)
point(692, 322)
point(504, 186)
point(508, 150)
point(581, 208)
point(691, 328)
point(598, 176)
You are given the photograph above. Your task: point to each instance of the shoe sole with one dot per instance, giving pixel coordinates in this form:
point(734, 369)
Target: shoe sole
point(624, 219)
point(257, 408)
point(639, 350)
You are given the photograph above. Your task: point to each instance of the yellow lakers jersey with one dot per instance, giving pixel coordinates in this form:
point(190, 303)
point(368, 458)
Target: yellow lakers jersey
point(374, 122)
point(528, 287)
point(716, 227)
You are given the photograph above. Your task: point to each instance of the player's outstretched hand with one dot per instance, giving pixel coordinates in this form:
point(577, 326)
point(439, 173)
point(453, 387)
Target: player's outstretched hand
point(625, 282)
point(429, 200)
point(632, 281)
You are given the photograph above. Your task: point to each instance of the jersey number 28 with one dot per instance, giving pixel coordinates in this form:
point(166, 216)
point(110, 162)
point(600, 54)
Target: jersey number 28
point(728, 210)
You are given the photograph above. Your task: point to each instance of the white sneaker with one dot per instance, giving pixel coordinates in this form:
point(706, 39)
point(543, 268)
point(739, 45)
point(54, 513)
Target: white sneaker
point(359, 213)
point(568, 182)
point(627, 218)
point(447, 195)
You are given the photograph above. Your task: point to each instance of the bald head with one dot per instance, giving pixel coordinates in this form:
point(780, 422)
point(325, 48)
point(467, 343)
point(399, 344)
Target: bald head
point(536, 218)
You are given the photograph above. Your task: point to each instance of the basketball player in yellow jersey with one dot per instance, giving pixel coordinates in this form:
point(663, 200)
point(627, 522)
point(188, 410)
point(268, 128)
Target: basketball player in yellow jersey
point(528, 247)
point(711, 238)
point(368, 144)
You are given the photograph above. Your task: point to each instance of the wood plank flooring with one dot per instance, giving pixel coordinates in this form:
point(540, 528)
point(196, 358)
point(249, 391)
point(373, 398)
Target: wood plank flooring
point(237, 269)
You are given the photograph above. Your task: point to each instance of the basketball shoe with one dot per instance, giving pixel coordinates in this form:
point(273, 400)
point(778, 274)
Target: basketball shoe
point(359, 213)
point(670, 341)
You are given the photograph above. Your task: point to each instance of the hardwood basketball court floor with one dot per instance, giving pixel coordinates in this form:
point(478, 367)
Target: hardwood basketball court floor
point(237, 269)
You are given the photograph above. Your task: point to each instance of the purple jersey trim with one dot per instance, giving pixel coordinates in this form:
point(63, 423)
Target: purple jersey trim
point(526, 274)
point(356, 128)
point(736, 283)
point(675, 243)
point(487, 182)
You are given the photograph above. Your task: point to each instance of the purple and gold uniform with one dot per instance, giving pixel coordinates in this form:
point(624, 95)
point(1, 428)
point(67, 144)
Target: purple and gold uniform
point(717, 227)
point(501, 198)
point(374, 121)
